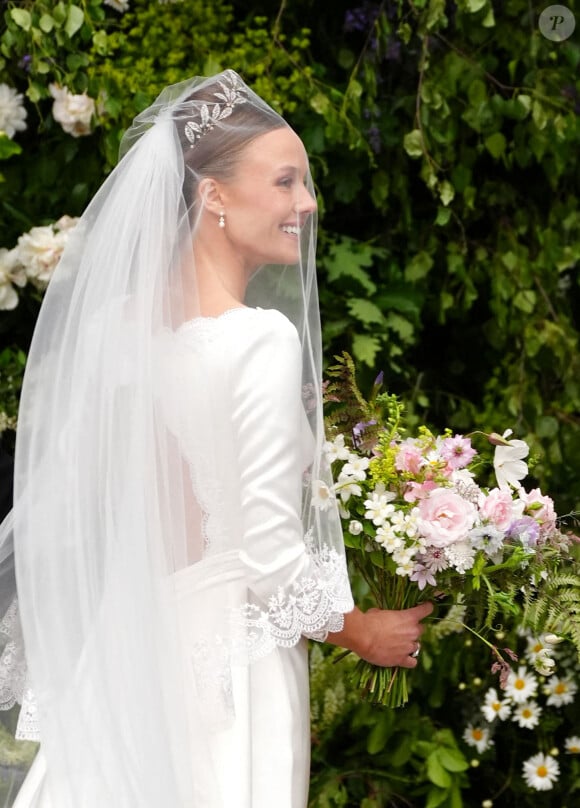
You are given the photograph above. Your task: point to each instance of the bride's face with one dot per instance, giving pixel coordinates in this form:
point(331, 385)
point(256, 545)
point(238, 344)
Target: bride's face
point(266, 203)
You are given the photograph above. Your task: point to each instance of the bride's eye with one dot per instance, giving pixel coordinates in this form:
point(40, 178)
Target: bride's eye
point(285, 182)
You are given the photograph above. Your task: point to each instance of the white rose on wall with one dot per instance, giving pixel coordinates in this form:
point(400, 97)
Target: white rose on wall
point(73, 112)
point(12, 111)
point(39, 250)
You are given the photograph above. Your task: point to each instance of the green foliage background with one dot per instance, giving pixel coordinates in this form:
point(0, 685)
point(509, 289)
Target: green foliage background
point(443, 139)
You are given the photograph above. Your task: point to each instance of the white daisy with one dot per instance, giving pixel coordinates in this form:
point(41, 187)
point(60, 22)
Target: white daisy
point(521, 686)
point(494, 707)
point(535, 646)
point(561, 690)
point(527, 715)
point(477, 736)
point(12, 111)
point(572, 745)
point(541, 771)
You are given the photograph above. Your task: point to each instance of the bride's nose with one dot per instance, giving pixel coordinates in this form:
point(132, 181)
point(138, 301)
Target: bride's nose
point(305, 202)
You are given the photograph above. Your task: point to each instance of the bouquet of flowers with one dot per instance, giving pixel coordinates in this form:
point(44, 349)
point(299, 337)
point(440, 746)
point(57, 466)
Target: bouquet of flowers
point(419, 525)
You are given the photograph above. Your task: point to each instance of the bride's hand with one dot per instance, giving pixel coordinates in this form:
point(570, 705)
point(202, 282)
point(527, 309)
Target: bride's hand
point(382, 636)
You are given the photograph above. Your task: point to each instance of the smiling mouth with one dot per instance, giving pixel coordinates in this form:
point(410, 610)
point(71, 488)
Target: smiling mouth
point(291, 229)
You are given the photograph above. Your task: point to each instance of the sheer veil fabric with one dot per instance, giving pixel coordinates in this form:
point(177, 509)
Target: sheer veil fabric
point(108, 515)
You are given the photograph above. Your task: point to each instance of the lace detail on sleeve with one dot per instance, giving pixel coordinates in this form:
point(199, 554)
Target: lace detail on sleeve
point(311, 606)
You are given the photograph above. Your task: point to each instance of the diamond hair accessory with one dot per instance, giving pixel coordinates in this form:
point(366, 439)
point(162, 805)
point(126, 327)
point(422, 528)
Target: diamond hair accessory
point(223, 108)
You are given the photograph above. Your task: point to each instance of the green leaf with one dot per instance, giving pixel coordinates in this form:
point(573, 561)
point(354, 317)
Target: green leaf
point(496, 144)
point(380, 733)
point(475, 5)
point(446, 192)
point(443, 216)
point(418, 267)
point(320, 103)
point(74, 20)
point(452, 759)
point(365, 348)
point(46, 23)
point(413, 143)
point(22, 18)
point(525, 300)
point(435, 771)
point(436, 797)
point(8, 147)
point(365, 310)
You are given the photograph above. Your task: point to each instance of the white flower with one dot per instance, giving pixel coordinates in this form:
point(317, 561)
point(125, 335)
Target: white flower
point(561, 690)
point(10, 273)
point(73, 112)
point(119, 5)
point(543, 663)
point(378, 507)
point(39, 252)
point(12, 111)
point(460, 555)
point(541, 771)
point(535, 646)
point(335, 449)
point(356, 467)
point(494, 707)
point(527, 715)
point(477, 736)
point(508, 462)
point(387, 537)
point(572, 745)
point(322, 496)
point(355, 527)
point(521, 686)
point(347, 487)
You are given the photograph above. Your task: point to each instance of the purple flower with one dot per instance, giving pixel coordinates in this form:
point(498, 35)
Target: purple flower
point(423, 576)
point(362, 17)
point(525, 530)
point(25, 62)
point(457, 451)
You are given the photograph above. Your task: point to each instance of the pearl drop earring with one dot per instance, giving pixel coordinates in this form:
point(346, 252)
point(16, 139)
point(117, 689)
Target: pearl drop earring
point(222, 220)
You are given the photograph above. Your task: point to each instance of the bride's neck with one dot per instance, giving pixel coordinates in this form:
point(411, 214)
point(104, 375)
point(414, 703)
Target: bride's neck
point(218, 280)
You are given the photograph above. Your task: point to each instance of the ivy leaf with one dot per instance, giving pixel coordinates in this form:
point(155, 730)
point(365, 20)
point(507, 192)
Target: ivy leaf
point(446, 192)
point(8, 147)
point(525, 300)
point(474, 6)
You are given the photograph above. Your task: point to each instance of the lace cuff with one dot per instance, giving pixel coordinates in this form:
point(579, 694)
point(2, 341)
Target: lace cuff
point(312, 606)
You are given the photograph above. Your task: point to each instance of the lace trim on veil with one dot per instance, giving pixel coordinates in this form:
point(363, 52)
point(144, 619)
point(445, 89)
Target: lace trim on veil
point(14, 677)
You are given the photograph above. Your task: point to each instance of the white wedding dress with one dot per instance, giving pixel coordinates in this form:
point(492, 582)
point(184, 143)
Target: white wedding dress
point(249, 571)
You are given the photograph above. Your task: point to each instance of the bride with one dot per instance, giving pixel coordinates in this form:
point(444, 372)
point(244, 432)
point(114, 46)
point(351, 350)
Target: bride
point(173, 549)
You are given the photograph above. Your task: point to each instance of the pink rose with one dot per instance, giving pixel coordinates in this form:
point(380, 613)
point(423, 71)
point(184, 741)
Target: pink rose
point(409, 457)
point(540, 507)
point(445, 517)
point(498, 508)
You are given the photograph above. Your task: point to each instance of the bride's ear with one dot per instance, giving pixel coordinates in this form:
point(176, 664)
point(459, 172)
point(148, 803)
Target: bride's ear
point(210, 194)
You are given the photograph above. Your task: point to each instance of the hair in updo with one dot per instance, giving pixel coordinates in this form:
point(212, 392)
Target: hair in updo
point(217, 152)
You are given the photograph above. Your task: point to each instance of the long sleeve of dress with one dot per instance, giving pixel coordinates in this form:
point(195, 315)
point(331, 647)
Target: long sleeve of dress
point(298, 590)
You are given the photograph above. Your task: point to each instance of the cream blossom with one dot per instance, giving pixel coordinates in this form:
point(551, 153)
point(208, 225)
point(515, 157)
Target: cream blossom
point(40, 249)
point(561, 690)
point(336, 449)
point(508, 462)
point(445, 517)
point(527, 715)
point(322, 495)
point(73, 112)
point(12, 111)
point(541, 771)
point(355, 527)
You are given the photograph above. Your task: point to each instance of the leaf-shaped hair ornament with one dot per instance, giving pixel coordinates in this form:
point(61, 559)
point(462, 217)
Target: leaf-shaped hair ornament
point(222, 109)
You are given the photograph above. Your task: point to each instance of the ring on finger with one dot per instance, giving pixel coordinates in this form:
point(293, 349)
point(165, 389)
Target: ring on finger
point(416, 652)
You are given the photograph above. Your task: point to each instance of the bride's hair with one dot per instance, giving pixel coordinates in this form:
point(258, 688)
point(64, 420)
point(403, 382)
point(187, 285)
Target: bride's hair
point(212, 146)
